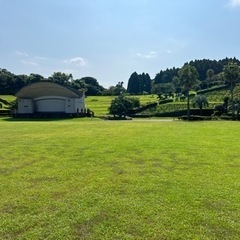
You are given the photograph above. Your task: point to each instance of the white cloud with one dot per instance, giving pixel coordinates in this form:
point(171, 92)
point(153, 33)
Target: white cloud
point(172, 45)
point(42, 58)
point(77, 60)
point(149, 55)
point(45, 65)
point(29, 63)
point(169, 51)
point(23, 54)
point(234, 3)
point(175, 42)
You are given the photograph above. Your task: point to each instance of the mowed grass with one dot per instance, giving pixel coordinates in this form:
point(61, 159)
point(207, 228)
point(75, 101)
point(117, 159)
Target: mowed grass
point(93, 179)
point(9, 98)
point(100, 104)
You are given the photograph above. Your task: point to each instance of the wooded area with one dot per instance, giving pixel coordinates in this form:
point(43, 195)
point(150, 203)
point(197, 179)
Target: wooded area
point(210, 74)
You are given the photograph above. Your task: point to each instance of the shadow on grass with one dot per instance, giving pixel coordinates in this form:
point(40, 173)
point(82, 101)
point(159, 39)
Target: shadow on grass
point(11, 119)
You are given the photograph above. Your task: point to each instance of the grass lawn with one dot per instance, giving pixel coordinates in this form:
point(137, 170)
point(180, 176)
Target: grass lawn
point(145, 179)
point(8, 98)
point(100, 104)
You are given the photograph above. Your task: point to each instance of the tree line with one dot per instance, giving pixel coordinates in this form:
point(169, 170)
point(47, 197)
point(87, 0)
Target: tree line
point(11, 83)
point(210, 73)
point(187, 79)
point(166, 82)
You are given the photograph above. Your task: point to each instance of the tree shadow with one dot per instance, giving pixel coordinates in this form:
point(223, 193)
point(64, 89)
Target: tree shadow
point(13, 119)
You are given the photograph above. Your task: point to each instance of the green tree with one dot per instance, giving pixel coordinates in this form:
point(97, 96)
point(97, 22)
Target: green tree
point(200, 101)
point(210, 74)
point(60, 78)
point(188, 78)
point(164, 88)
point(146, 83)
point(92, 85)
point(225, 103)
point(121, 105)
point(34, 78)
point(115, 90)
point(6, 82)
point(119, 89)
point(139, 83)
point(231, 73)
point(133, 84)
point(177, 84)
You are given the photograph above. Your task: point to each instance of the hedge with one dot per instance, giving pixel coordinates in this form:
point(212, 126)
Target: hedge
point(213, 89)
point(176, 114)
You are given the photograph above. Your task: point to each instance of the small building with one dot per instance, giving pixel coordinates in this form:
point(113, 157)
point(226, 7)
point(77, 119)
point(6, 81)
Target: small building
point(49, 99)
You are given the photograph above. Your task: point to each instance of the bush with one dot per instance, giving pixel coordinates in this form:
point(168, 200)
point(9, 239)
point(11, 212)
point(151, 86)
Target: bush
point(194, 118)
point(165, 101)
point(122, 105)
point(213, 89)
point(179, 113)
point(143, 108)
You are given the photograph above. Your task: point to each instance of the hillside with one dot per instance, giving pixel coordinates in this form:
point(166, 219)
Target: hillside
point(100, 104)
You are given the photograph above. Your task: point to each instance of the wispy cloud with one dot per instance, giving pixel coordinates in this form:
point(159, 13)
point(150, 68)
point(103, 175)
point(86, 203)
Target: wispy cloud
point(234, 3)
point(22, 54)
point(30, 63)
point(169, 51)
point(42, 58)
point(46, 65)
point(172, 45)
point(77, 60)
point(175, 42)
point(149, 55)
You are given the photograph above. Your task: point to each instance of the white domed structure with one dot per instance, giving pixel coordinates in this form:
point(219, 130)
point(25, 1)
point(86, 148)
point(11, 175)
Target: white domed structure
point(49, 99)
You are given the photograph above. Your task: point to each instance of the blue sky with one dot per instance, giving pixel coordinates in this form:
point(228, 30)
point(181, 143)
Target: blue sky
point(110, 39)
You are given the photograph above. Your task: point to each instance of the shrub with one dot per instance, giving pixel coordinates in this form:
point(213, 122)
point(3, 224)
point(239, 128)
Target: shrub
point(213, 89)
point(121, 105)
point(194, 118)
point(165, 101)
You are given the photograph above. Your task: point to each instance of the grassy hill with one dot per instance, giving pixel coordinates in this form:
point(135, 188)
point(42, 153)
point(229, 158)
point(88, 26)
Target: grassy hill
point(100, 104)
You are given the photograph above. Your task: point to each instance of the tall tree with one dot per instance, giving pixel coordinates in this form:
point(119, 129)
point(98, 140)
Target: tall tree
point(188, 78)
point(92, 85)
point(200, 101)
point(60, 78)
point(6, 82)
point(133, 84)
point(164, 88)
point(119, 89)
point(33, 78)
point(177, 84)
point(210, 74)
point(146, 83)
point(231, 73)
point(139, 83)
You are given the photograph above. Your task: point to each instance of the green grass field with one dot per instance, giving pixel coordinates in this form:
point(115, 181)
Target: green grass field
point(100, 104)
point(145, 179)
point(8, 98)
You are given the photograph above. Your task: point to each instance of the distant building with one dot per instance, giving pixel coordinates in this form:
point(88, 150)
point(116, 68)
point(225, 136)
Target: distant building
point(50, 99)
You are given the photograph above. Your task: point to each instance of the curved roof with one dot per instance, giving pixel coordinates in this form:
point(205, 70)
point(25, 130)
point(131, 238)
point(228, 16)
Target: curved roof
point(41, 89)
